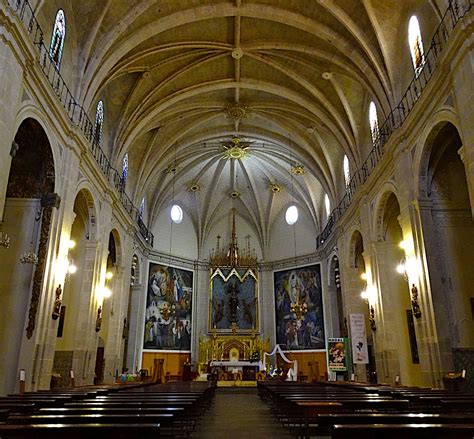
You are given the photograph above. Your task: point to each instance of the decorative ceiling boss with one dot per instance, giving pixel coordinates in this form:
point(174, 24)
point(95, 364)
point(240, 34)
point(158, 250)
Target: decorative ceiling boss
point(275, 188)
point(236, 149)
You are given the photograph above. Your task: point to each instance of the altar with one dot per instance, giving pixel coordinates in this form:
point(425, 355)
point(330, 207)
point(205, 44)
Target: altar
point(232, 358)
point(237, 364)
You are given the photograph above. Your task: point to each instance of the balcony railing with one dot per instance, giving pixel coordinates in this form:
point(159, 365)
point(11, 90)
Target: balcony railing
point(455, 11)
point(74, 110)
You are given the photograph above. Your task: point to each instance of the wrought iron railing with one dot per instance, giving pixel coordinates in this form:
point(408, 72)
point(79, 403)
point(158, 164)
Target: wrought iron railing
point(74, 110)
point(399, 114)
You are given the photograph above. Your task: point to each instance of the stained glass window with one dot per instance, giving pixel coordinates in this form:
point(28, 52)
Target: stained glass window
point(374, 122)
point(99, 121)
point(141, 209)
point(347, 172)
point(57, 38)
point(416, 45)
point(125, 169)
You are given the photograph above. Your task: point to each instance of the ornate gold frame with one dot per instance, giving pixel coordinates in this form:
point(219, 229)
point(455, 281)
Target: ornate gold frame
point(249, 272)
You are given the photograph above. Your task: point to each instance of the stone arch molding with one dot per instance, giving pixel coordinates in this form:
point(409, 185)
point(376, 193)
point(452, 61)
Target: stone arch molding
point(352, 245)
point(92, 220)
point(330, 267)
point(119, 253)
point(380, 203)
point(425, 146)
point(31, 111)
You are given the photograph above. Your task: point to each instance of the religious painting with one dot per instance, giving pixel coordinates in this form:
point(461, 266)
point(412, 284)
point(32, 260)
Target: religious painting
point(234, 299)
point(338, 354)
point(168, 308)
point(299, 308)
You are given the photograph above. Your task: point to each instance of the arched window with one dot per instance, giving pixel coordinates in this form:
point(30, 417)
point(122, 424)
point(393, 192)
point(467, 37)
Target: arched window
point(347, 172)
point(99, 122)
point(327, 205)
point(374, 122)
point(416, 45)
point(141, 209)
point(57, 38)
point(125, 170)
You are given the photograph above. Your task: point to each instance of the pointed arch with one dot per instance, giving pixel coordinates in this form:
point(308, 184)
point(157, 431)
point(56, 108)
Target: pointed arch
point(57, 38)
point(416, 45)
point(141, 209)
point(99, 121)
point(125, 169)
point(373, 121)
point(347, 170)
point(327, 205)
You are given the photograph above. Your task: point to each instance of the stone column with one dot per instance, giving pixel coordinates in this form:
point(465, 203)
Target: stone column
point(136, 327)
point(85, 341)
point(11, 86)
point(463, 85)
point(267, 306)
point(200, 323)
point(112, 325)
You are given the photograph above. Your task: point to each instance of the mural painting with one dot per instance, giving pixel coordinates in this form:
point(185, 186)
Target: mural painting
point(299, 308)
point(168, 308)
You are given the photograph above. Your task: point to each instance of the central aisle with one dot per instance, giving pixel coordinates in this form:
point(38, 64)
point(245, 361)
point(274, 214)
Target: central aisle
point(238, 412)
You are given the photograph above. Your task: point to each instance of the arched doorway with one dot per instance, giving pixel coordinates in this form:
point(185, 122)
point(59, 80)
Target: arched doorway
point(398, 320)
point(27, 217)
point(75, 328)
point(448, 228)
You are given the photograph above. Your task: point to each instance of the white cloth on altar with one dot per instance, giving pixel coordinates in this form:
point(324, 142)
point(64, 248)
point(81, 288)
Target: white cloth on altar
point(238, 363)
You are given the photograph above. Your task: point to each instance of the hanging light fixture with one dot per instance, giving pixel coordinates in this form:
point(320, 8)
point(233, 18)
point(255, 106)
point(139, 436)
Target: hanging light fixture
point(31, 257)
point(176, 213)
point(291, 215)
point(299, 307)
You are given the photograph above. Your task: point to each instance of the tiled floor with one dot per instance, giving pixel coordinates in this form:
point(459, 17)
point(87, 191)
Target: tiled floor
point(239, 413)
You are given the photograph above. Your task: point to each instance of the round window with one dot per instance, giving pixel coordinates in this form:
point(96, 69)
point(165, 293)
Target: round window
point(176, 214)
point(291, 215)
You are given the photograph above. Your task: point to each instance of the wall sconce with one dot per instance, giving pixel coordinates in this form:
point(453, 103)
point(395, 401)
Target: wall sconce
point(369, 294)
point(401, 268)
point(69, 268)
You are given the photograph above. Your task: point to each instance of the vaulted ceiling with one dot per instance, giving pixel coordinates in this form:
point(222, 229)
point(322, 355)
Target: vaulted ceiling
point(293, 78)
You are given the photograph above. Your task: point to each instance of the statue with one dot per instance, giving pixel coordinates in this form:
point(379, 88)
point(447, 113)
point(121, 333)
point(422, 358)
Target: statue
point(233, 304)
point(414, 302)
point(98, 322)
point(248, 317)
point(57, 303)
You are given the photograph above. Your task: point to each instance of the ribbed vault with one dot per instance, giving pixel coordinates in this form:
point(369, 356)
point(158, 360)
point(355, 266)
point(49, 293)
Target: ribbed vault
point(293, 78)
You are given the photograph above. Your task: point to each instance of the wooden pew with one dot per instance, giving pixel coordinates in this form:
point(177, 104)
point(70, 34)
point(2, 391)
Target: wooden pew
point(397, 431)
point(80, 431)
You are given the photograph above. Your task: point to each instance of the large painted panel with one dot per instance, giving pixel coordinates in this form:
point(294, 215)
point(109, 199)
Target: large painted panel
point(234, 299)
point(168, 308)
point(299, 288)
